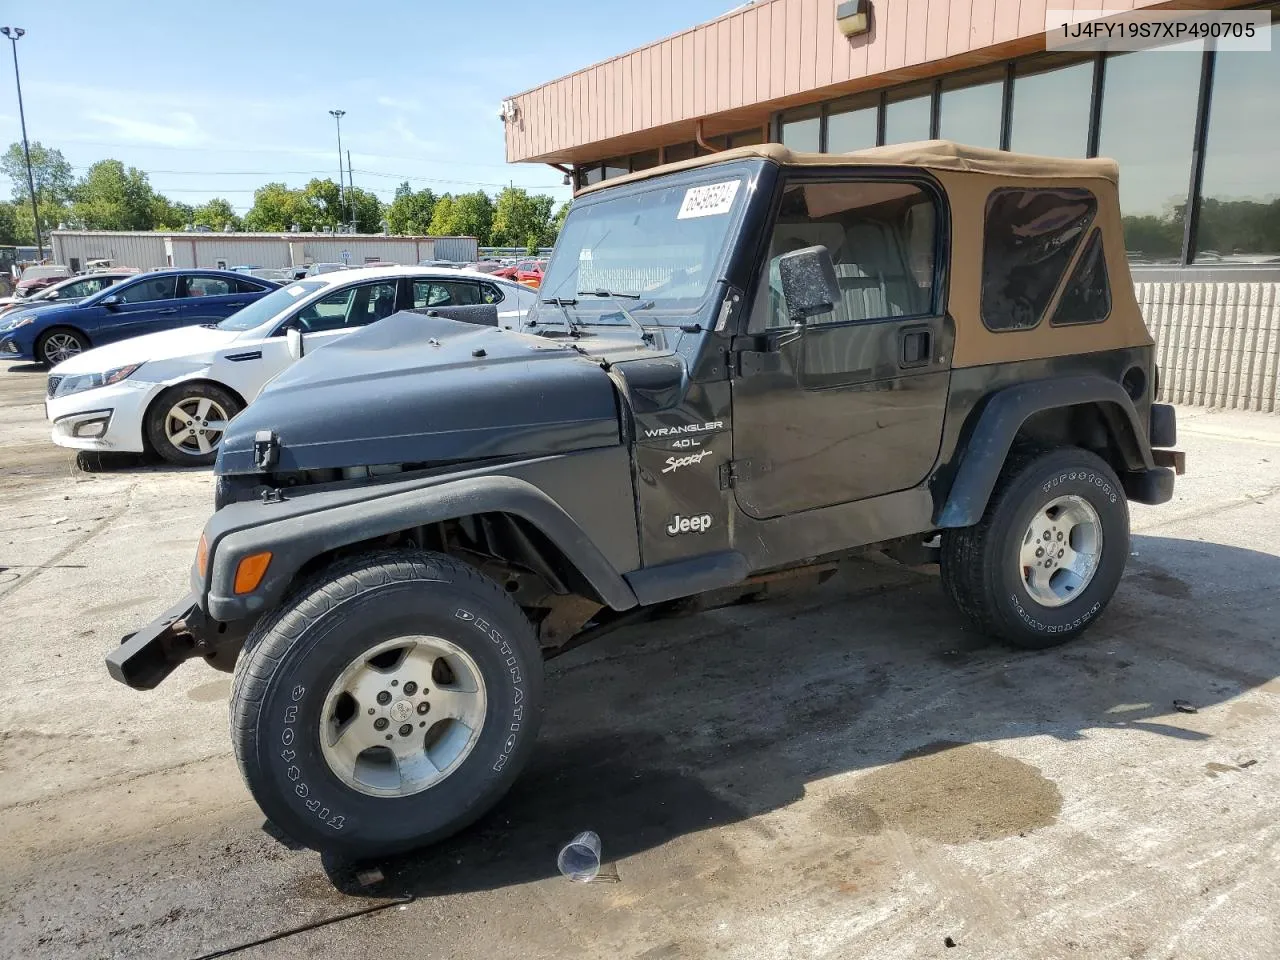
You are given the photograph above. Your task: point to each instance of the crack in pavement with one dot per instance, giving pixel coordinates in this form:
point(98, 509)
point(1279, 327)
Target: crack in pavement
point(56, 559)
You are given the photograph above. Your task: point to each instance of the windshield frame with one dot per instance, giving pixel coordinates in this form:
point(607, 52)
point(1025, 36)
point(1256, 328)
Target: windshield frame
point(649, 310)
point(311, 285)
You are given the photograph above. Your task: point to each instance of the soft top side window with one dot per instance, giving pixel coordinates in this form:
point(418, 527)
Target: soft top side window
point(882, 237)
point(1030, 237)
point(1087, 298)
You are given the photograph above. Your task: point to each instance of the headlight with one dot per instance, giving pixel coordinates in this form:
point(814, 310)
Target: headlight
point(9, 325)
point(75, 383)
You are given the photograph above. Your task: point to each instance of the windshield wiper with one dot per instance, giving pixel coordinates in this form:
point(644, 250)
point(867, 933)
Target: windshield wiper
point(614, 298)
point(564, 303)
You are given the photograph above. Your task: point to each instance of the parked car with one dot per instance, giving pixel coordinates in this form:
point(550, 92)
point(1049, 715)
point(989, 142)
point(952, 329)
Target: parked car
point(406, 527)
point(70, 290)
point(276, 274)
point(38, 276)
point(160, 300)
point(173, 392)
point(484, 266)
point(528, 272)
point(443, 264)
point(315, 269)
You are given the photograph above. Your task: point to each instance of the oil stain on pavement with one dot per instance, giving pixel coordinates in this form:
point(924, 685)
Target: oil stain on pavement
point(948, 792)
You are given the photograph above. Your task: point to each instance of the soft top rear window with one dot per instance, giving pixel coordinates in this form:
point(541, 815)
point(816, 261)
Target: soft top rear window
point(1030, 237)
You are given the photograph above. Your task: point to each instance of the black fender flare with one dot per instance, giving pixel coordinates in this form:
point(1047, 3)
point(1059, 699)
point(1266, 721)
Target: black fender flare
point(295, 539)
point(1005, 412)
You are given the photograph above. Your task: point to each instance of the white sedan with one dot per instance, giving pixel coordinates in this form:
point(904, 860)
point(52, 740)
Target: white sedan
point(173, 392)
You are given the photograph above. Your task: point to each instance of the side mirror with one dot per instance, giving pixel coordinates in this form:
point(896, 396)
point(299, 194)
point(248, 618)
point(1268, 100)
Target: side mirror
point(293, 336)
point(809, 284)
point(112, 301)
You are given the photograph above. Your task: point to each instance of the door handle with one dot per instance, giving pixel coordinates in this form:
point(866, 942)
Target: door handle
point(917, 348)
point(161, 313)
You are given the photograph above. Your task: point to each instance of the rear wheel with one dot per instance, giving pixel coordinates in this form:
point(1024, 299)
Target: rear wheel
point(186, 423)
point(389, 703)
point(1049, 552)
point(58, 344)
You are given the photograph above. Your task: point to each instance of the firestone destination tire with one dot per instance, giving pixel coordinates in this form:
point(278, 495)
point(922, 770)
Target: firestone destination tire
point(1049, 552)
point(391, 701)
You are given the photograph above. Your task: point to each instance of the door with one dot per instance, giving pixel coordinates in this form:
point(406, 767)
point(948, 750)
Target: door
point(850, 405)
point(205, 298)
point(146, 305)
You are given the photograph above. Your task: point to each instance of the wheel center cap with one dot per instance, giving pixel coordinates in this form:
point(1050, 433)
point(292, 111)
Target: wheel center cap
point(401, 711)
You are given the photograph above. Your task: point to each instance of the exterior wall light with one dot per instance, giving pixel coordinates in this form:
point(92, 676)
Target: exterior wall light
point(854, 17)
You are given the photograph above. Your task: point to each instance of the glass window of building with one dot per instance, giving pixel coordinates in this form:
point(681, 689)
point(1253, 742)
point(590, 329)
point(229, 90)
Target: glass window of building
point(1051, 109)
point(1148, 126)
point(681, 151)
point(852, 124)
point(616, 167)
point(1240, 197)
point(801, 129)
point(591, 174)
point(970, 109)
point(645, 160)
point(744, 138)
point(907, 115)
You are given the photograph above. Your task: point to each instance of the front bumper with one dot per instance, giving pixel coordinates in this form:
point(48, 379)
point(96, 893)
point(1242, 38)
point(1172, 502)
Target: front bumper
point(119, 409)
point(13, 348)
point(181, 633)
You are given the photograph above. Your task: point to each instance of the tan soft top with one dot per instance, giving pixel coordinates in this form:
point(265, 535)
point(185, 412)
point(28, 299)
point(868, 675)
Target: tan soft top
point(928, 154)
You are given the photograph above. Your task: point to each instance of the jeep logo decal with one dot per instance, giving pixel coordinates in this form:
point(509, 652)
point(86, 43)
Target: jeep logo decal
point(679, 525)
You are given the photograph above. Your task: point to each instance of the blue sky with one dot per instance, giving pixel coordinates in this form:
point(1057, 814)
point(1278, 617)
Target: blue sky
point(214, 100)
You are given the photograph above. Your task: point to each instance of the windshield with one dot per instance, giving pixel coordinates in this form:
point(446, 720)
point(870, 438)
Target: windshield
point(664, 245)
point(260, 311)
point(39, 273)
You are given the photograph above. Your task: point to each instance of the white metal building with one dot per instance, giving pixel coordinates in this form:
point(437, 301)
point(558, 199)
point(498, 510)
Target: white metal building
point(148, 250)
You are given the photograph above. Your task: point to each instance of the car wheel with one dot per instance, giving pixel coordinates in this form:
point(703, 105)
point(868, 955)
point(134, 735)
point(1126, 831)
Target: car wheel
point(59, 344)
point(389, 703)
point(1048, 554)
point(185, 424)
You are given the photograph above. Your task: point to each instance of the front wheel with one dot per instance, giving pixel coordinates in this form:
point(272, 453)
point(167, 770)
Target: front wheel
point(185, 424)
point(389, 703)
point(59, 344)
point(1049, 552)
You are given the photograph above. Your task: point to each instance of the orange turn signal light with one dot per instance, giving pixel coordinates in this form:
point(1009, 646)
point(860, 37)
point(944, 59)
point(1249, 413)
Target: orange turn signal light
point(202, 557)
point(251, 570)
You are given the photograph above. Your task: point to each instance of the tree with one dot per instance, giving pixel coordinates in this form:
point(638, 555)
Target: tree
point(466, 215)
point(521, 220)
point(367, 209)
point(113, 197)
point(215, 214)
point(168, 215)
point(8, 223)
point(410, 212)
point(54, 185)
point(276, 209)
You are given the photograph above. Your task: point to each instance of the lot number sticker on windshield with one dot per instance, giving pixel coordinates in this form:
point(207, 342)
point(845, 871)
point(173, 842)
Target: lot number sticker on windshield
point(708, 200)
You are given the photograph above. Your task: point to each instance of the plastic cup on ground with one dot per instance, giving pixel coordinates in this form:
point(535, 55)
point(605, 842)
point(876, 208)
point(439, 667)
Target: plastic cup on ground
point(580, 858)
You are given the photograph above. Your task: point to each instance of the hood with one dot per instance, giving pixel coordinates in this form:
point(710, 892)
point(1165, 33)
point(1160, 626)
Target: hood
point(419, 389)
point(166, 345)
point(28, 309)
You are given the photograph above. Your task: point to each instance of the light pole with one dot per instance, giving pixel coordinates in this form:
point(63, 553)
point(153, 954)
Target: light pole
point(342, 193)
point(13, 33)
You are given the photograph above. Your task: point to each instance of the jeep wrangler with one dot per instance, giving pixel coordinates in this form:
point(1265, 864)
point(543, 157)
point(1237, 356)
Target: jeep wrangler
point(743, 368)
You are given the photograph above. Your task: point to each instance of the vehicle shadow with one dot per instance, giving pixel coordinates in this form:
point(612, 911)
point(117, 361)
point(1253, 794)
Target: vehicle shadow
point(27, 368)
point(668, 729)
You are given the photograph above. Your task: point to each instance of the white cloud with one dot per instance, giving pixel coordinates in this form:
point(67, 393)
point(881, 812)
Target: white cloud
point(182, 130)
point(408, 106)
point(406, 134)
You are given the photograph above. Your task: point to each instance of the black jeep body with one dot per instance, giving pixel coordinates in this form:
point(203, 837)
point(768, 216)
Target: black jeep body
point(687, 430)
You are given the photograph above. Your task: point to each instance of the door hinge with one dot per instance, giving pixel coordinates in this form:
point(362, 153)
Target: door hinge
point(738, 470)
point(266, 449)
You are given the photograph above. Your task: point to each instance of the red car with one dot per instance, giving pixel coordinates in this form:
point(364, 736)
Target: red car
point(528, 272)
point(35, 278)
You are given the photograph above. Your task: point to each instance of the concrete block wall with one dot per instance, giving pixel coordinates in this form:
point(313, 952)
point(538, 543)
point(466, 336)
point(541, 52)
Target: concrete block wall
point(1217, 344)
